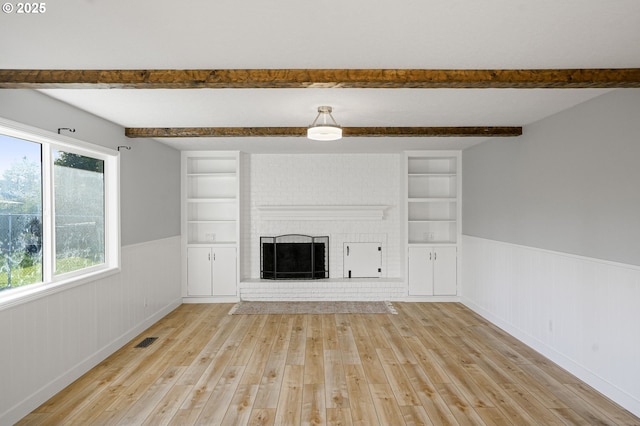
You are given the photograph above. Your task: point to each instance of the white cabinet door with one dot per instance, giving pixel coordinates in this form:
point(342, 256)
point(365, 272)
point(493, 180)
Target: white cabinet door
point(420, 271)
point(444, 271)
point(199, 271)
point(224, 271)
point(432, 271)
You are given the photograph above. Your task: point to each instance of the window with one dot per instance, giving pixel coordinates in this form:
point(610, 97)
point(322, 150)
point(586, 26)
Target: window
point(58, 209)
point(78, 188)
point(20, 213)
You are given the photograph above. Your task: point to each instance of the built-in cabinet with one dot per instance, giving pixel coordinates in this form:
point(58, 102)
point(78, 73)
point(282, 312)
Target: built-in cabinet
point(210, 223)
point(432, 221)
point(211, 271)
point(432, 271)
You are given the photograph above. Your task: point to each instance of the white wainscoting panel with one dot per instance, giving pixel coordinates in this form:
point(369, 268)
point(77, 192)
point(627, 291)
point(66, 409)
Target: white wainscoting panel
point(49, 342)
point(581, 313)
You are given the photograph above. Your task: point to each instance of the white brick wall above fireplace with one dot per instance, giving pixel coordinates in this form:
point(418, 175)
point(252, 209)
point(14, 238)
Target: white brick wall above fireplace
point(322, 212)
point(323, 180)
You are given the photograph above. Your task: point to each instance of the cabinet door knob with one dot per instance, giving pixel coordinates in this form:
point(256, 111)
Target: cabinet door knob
point(435, 256)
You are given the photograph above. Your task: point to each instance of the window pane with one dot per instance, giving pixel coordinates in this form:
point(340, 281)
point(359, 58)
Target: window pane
point(20, 212)
point(79, 211)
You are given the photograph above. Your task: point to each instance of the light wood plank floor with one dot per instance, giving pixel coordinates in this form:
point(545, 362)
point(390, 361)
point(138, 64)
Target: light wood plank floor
point(432, 364)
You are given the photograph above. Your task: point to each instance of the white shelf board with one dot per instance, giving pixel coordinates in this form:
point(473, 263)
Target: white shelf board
point(212, 200)
point(433, 200)
point(432, 221)
point(433, 174)
point(431, 243)
point(212, 221)
point(212, 243)
point(213, 174)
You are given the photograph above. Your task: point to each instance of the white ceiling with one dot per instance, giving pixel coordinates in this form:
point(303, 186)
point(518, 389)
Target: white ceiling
point(203, 34)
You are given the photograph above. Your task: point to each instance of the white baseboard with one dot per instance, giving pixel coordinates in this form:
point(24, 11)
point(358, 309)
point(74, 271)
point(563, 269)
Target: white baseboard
point(212, 299)
point(431, 299)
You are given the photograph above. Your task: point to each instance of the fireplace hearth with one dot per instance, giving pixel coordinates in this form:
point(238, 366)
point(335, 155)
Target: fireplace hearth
point(294, 257)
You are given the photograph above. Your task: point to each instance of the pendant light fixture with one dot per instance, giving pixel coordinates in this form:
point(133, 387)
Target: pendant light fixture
point(324, 131)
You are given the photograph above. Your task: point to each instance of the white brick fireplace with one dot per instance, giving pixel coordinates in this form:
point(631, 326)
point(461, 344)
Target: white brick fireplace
point(358, 200)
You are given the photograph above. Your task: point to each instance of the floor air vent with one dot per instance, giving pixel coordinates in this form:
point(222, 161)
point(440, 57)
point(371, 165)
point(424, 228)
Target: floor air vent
point(146, 342)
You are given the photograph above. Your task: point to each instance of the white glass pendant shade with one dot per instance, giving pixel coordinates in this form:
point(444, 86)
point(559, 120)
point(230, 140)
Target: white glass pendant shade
point(324, 132)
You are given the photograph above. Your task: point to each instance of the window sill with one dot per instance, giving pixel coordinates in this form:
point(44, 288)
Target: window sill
point(38, 291)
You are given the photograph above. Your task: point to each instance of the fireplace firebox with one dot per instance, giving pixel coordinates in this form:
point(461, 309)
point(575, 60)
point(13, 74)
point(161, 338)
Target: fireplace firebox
point(294, 257)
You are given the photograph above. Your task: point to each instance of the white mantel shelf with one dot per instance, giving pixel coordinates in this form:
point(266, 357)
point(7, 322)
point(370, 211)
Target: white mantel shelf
point(322, 212)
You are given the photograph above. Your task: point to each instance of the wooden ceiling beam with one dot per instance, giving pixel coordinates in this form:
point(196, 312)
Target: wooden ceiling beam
point(231, 132)
point(320, 78)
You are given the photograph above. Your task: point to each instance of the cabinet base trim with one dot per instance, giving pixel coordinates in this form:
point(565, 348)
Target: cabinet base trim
point(216, 299)
point(432, 299)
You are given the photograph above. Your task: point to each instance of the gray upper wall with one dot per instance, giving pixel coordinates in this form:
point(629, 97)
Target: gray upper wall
point(571, 183)
point(149, 172)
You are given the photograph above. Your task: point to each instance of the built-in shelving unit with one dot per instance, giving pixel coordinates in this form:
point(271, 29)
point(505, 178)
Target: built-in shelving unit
point(210, 222)
point(432, 199)
point(211, 198)
point(433, 221)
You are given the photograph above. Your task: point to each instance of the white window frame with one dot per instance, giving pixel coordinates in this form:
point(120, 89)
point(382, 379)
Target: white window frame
point(52, 283)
